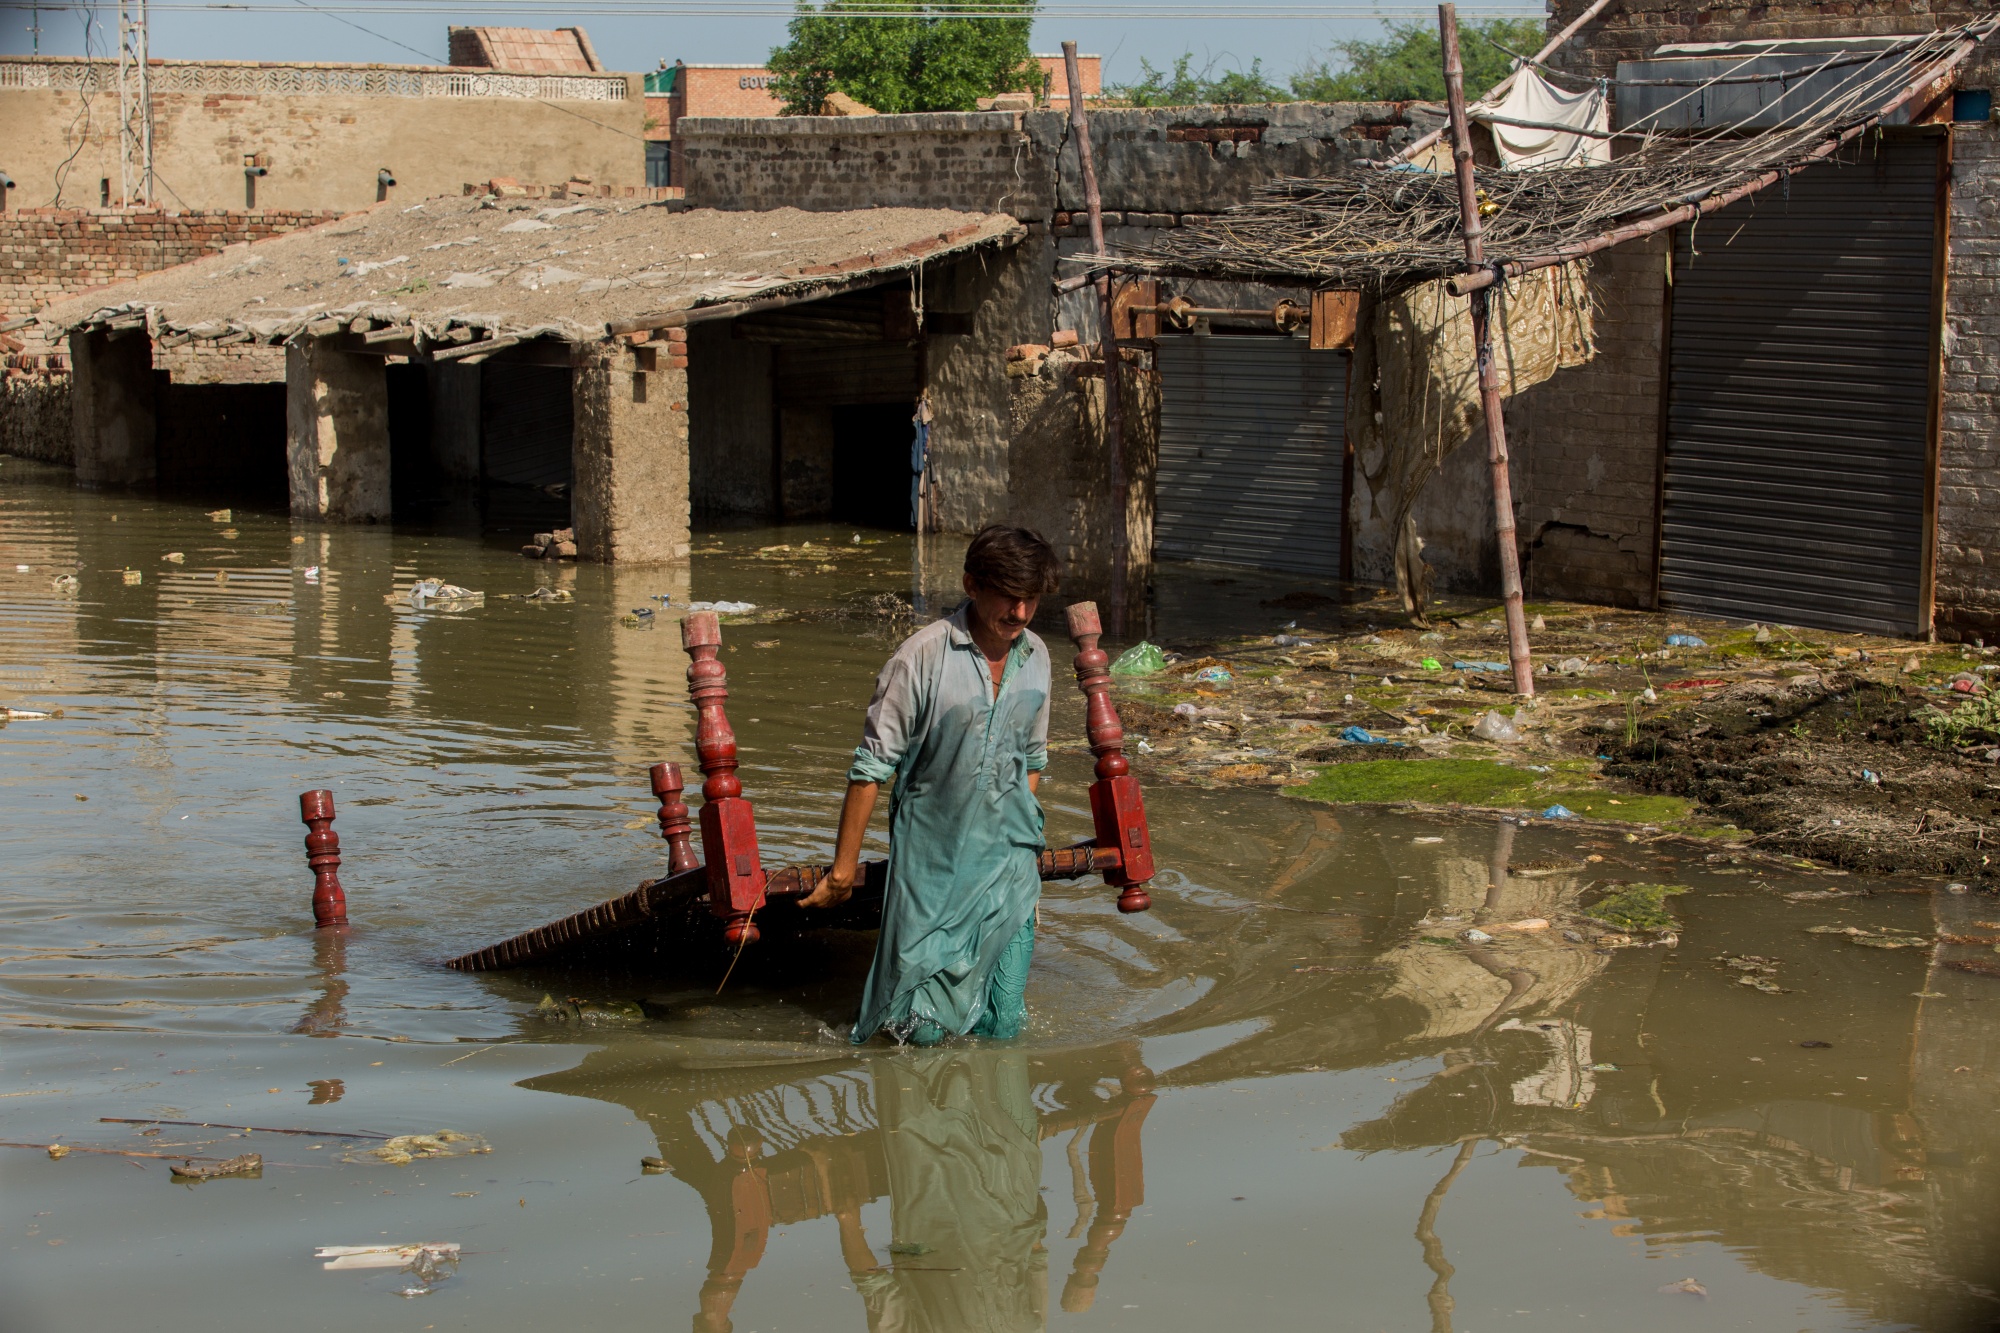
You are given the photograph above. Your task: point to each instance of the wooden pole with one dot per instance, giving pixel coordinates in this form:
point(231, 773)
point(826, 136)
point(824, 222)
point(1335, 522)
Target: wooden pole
point(1499, 90)
point(1114, 365)
point(1482, 338)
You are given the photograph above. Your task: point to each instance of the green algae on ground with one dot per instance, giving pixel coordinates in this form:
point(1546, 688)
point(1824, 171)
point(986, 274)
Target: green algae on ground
point(1637, 907)
point(1436, 781)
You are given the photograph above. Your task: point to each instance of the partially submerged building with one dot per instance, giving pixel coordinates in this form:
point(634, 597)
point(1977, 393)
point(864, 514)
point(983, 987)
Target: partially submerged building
point(636, 358)
point(1777, 415)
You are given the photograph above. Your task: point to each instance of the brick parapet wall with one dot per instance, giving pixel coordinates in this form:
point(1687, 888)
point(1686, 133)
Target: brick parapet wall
point(50, 254)
point(1967, 583)
point(1170, 161)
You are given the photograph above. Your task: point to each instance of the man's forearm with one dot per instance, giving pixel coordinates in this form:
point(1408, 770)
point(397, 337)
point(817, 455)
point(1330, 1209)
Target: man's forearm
point(855, 812)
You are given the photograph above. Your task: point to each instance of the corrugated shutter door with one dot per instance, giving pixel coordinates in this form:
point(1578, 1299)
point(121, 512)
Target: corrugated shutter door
point(1252, 450)
point(1799, 402)
point(524, 424)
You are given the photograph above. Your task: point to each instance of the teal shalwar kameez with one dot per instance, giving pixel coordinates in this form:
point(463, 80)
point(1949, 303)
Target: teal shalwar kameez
point(964, 832)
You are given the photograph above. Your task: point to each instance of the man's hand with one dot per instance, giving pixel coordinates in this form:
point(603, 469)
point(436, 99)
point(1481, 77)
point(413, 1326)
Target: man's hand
point(837, 885)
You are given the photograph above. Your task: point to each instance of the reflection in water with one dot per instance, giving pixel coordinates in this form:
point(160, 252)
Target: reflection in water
point(490, 770)
point(951, 1138)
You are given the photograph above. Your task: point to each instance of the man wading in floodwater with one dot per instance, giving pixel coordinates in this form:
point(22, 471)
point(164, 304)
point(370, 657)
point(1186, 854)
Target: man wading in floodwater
point(960, 720)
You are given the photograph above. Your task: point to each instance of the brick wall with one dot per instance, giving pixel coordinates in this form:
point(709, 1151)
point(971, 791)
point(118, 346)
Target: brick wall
point(1171, 161)
point(1967, 583)
point(1632, 29)
point(49, 254)
point(1585, 444)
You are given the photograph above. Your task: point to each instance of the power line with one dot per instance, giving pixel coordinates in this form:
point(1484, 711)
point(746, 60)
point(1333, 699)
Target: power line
point(1082, 10)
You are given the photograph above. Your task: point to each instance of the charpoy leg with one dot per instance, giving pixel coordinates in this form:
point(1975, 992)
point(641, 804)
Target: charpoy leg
point(1007, 990)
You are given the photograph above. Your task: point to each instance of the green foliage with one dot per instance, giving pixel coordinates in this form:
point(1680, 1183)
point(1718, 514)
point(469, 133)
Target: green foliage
point(1185, 86)
point(1407, 64)
point(1947, 728)
point(915, 59)
point(1637, 907)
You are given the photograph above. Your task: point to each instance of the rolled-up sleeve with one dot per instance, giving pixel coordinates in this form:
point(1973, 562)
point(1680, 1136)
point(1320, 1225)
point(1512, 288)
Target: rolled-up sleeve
point(891, 717)
point(1038, 737)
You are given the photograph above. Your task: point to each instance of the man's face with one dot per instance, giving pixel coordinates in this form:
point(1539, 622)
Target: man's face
point(1003, 613)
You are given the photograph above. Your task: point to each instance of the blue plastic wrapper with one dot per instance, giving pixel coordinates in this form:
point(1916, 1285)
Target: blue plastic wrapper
point(1686, 641)
point(1214, 675)
point(1360, 736)
point(1560, 812)
point(1480, 666)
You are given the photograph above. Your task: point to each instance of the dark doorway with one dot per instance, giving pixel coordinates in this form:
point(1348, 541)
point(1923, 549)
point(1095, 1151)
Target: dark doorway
point(222, 440)
point(871, 464)
point(413, 474)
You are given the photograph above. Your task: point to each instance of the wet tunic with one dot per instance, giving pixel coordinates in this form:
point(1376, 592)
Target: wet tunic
point(964, 832)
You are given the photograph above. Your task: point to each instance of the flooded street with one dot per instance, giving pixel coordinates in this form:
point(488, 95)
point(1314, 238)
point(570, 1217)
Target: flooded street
point(1290, 1096)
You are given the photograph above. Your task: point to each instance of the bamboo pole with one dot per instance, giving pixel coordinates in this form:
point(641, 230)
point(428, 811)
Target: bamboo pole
point(1467, 283)
point(1114, 364)
point(1499, 90)
point(1482, 338)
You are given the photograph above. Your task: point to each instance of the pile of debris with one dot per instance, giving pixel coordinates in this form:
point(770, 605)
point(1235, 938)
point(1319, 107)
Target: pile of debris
point(557, 545)
point(1874, 753)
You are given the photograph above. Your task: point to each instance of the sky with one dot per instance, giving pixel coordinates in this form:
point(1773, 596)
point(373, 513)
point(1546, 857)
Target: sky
point(1222, 34)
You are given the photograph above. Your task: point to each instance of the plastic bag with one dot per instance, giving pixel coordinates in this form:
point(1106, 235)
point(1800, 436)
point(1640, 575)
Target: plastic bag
point(1141, 659)
point(1494, 727)
point(1686, 641)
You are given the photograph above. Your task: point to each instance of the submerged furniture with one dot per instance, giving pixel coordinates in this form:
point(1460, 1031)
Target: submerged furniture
point(726, 896)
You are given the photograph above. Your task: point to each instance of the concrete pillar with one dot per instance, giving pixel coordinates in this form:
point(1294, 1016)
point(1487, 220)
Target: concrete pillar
point(455, 420)
point(630, 454)
point(112, 422)
point(336, 432)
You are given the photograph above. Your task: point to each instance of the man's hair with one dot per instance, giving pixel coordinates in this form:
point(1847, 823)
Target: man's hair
point(1015, 561)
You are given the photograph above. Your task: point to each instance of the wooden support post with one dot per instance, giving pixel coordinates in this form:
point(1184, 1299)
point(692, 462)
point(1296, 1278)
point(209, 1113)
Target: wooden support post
point(1482, 339)
point(1117, 810)
point(675, 818)
point(1114, 365)
point(323, 855)
point(728, 824)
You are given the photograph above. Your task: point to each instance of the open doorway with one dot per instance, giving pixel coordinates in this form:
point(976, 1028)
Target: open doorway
point(871, 464)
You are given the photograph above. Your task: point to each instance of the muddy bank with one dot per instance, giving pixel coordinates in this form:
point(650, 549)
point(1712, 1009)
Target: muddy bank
point(1866, 752)
point(1864, 773)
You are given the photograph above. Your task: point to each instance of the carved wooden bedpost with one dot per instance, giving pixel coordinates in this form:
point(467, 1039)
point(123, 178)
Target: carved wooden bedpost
point(1116, 808)
point(728, 824)
point(676, 824)
point(323, 855)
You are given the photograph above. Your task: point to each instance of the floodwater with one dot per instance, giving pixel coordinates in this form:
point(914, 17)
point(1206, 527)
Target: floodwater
point(1285, 1098)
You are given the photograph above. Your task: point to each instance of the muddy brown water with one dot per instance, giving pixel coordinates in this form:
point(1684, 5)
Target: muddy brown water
point(1275, 1101)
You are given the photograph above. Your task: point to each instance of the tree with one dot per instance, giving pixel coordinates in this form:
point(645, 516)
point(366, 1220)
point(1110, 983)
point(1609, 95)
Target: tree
point(1185, 87)
point(1407, 65)
point(918, 58)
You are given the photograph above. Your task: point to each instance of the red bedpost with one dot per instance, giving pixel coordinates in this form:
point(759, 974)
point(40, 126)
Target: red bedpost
point(1116, 808)
point(676, 824)
point(728, 824)
point(323, 855)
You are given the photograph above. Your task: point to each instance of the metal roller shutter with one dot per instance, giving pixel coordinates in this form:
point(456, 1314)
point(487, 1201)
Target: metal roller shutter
point(1252, 452)
point(1798, 420)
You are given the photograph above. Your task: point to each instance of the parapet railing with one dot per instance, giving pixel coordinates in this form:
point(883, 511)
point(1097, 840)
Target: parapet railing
point(101, 76)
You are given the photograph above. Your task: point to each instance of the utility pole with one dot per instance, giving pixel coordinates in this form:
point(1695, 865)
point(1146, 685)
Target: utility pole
point(1482, 339)
point(1114, 360)
point(135, 104)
